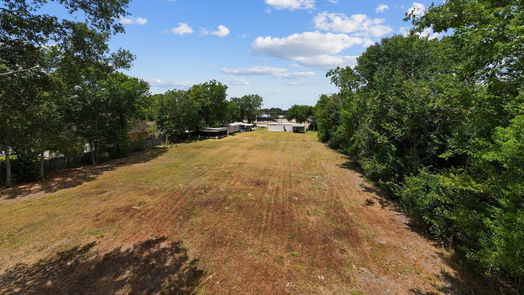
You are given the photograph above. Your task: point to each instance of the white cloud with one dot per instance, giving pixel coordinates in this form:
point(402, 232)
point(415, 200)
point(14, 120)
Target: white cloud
point(169, 84)
point(253, 71)
point(428, 33)
point(221, 31)
point(305, 44)
point(279, 73)
point(238, 82)
point(358, 24)
point(291, 4)
point(381, 8)
point(311, 49)
point(417, 9)
point(327, 61)
point(404, 31)
point(295, 75)
point(333, 1)
point(297, 83)
point(182, 29)
point(133, 20)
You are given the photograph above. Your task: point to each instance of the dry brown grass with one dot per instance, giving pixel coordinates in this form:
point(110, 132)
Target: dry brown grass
point(264, 213)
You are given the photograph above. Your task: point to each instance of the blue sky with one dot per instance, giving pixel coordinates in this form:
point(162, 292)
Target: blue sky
point(279, 49)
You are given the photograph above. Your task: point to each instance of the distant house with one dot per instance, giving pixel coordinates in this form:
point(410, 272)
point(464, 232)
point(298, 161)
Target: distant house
point(287, 127)
point(140, 130)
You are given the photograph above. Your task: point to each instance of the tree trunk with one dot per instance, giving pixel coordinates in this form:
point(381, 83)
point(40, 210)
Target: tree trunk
point(92, 147)
point(41, 172)
point(8, 176)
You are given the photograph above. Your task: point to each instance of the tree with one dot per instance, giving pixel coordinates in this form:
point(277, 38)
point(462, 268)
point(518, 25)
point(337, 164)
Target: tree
point(30, 111)
point(327, 116)
point(25, 55)
point(498, 24)
point(248, 107)
point(177, 114)
point(211, 100)
point(102, 106)
point(25, 31)
point(300, 113)
point(126, 101)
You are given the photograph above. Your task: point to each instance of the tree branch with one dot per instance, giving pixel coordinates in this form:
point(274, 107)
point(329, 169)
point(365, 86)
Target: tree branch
point(18, 71)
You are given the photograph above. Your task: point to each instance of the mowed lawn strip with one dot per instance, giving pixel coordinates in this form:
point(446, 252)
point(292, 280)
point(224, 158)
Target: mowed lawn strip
point(264, 212)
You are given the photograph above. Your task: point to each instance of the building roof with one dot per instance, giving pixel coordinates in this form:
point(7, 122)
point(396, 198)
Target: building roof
point(280, 123)
point(140, 127)
point(241, 124)
point(209, 129)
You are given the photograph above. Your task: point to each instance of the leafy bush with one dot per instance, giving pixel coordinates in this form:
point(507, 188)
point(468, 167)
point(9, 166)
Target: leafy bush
point(425, 199)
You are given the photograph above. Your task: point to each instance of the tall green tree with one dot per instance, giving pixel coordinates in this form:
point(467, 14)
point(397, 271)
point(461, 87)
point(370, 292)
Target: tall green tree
point(212, 104)
point(25, 35)
point(248, 107)
point(327, 114)
point(102, 106)
point(177, 114)
point(127, 98)
point(300, 113)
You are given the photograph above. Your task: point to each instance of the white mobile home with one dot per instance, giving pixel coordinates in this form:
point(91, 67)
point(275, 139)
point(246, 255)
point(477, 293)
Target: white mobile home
point(279, 127)
point(286, 127)
point(234, 127)
point(239, 127)
point(299, 128)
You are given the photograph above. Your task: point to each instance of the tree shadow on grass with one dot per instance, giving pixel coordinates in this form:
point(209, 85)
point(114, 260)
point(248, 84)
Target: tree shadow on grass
point(467, 283)
point(382, 197)
point(151, 267)
point(70, 178)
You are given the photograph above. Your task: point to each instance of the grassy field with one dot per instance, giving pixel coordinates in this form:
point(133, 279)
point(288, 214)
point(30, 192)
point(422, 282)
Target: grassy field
point(255, 213)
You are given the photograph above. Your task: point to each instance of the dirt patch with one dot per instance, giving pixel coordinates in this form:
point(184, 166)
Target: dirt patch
point(150, 267)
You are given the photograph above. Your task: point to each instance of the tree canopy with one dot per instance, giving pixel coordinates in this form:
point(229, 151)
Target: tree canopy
point(300, 113)
point(248, 107)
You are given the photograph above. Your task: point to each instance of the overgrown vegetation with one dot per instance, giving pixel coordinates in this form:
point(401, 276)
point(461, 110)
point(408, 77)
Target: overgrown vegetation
point(440, 125)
